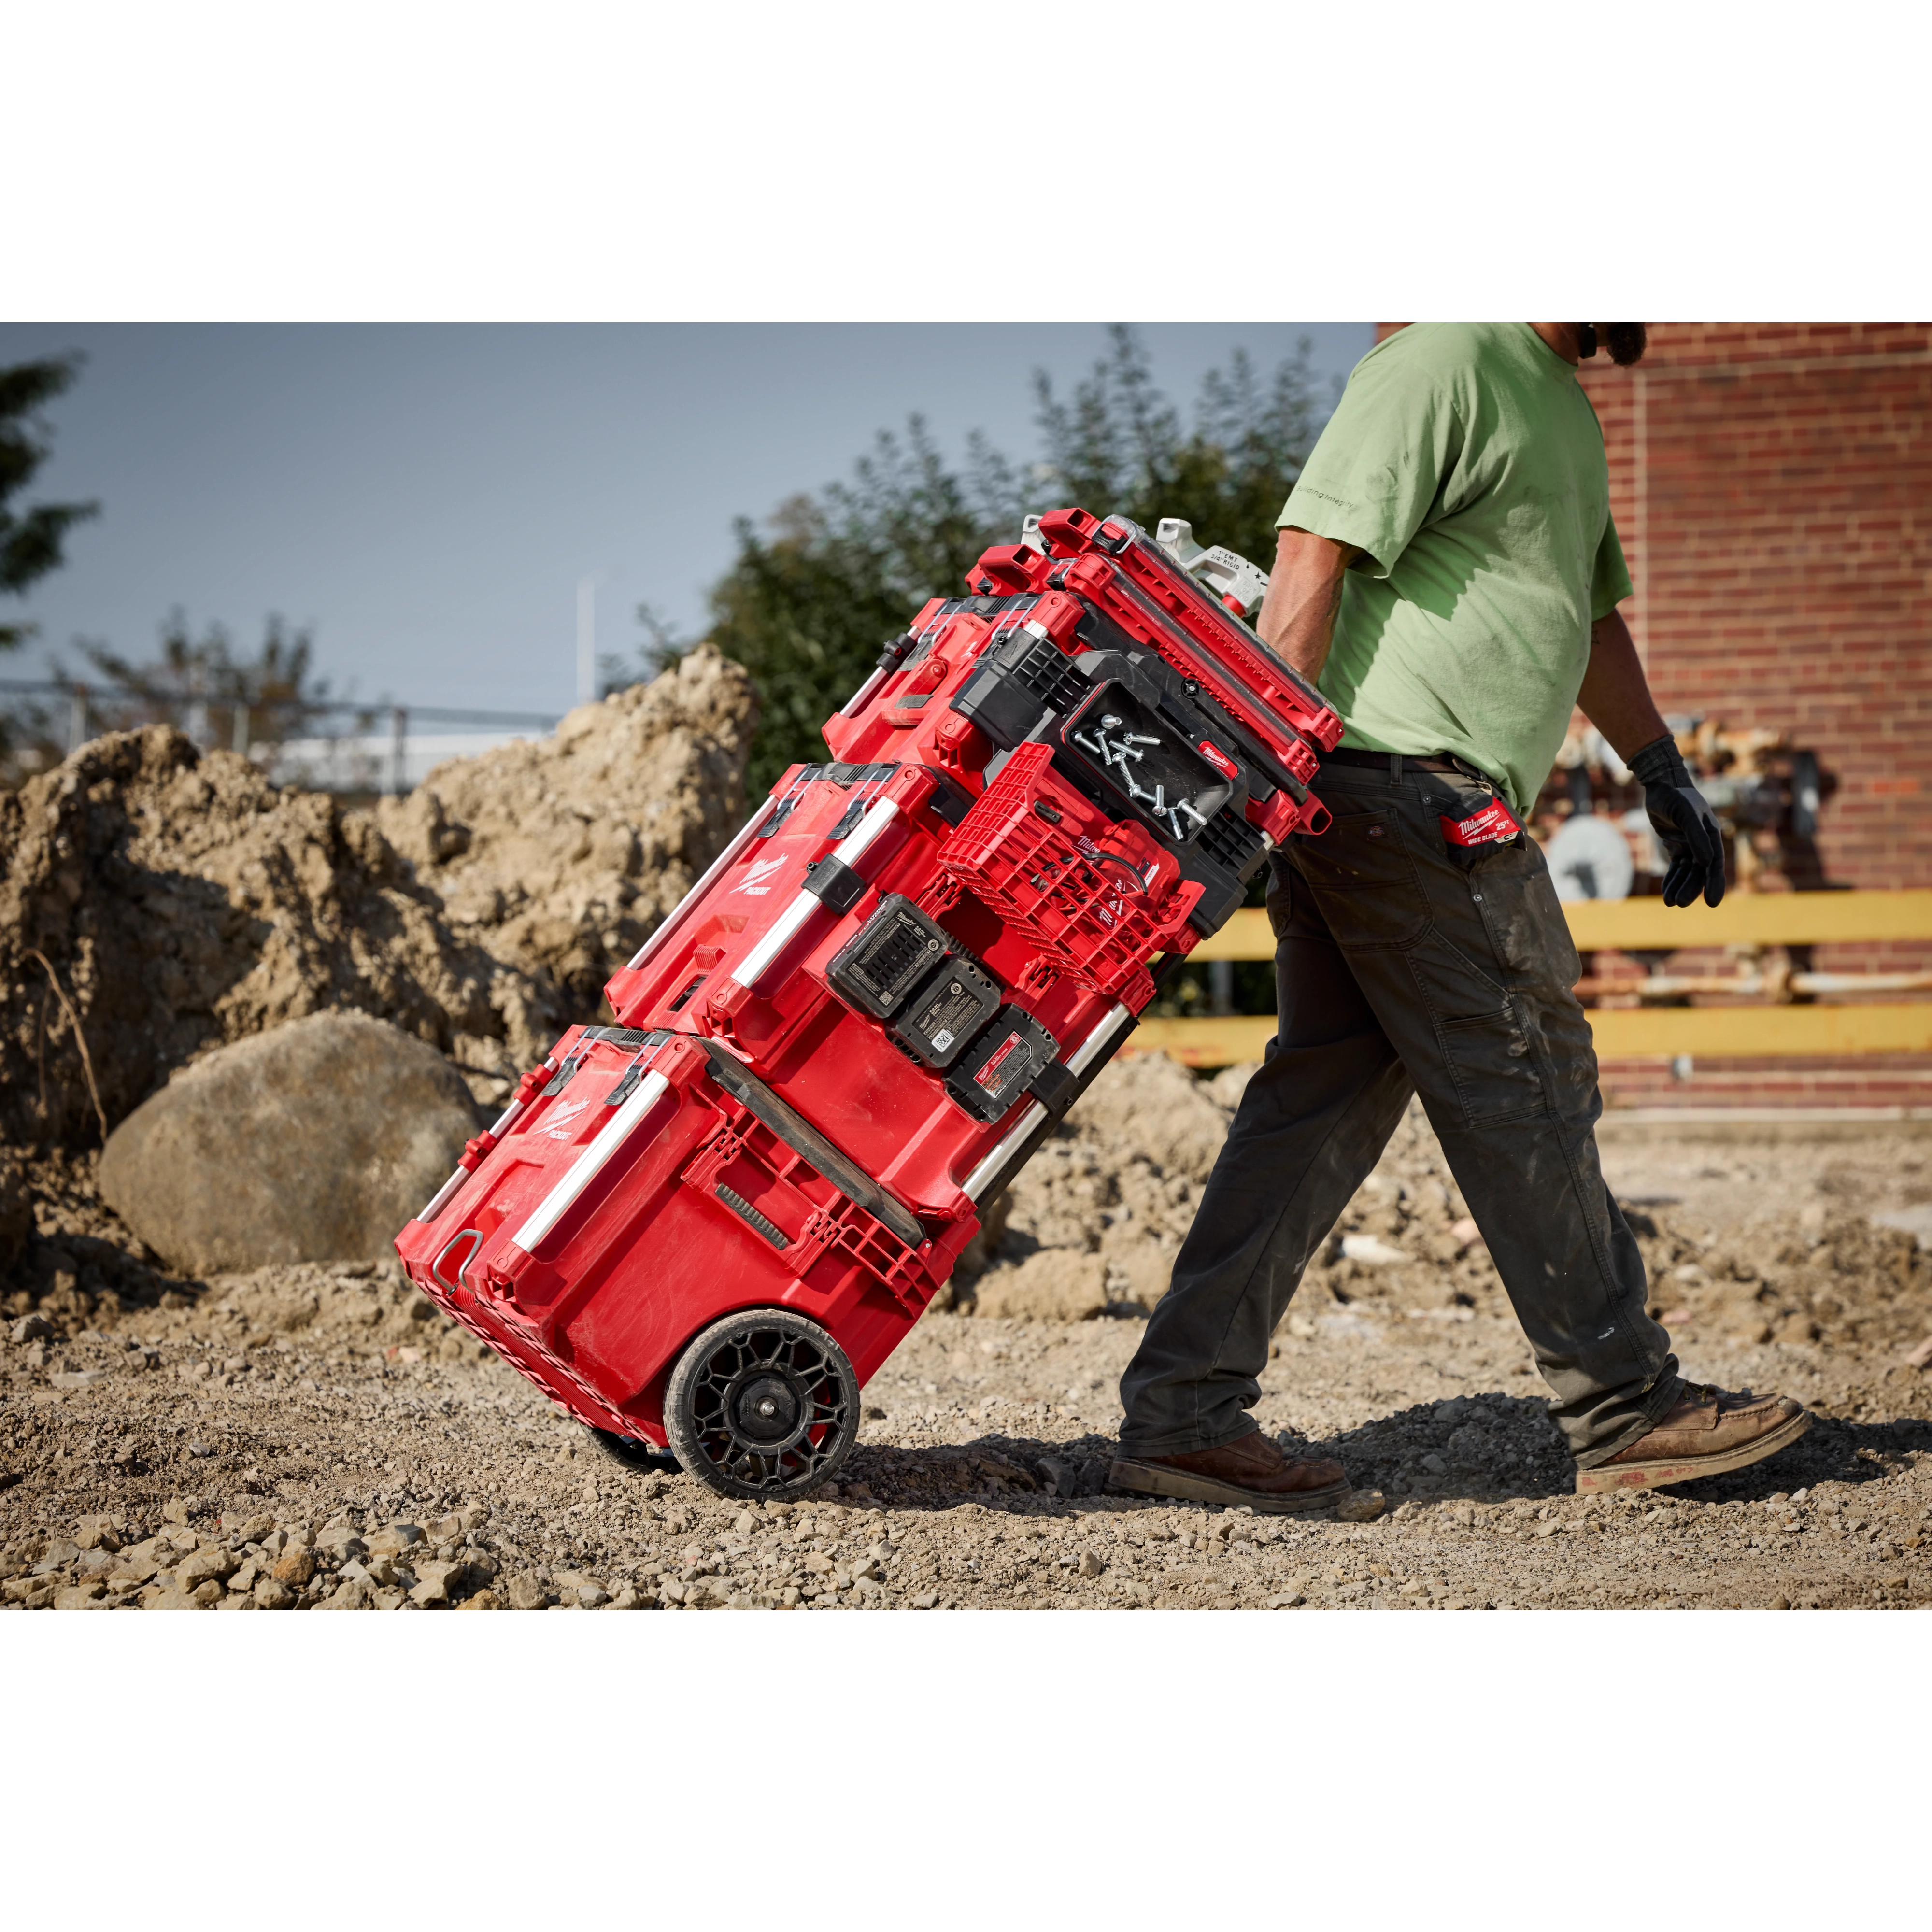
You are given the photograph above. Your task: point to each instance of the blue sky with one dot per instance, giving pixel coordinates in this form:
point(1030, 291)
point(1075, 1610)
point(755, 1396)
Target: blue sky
point(427, 496)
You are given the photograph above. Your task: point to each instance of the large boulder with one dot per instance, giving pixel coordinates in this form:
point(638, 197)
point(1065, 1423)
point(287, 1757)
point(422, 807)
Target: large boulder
point(315, 1141)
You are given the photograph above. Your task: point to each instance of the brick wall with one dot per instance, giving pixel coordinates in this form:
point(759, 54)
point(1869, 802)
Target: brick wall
point(1772, 483)
point(1902, 1080)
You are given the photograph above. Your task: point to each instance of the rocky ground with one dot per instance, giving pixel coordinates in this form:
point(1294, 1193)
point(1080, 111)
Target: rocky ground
point(315, 1437)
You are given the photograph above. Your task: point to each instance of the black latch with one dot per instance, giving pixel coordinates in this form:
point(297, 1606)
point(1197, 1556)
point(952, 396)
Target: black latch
point(1055, 1086)
point(947, 799)
point(833, 882)
point(785, 807)
point(647, 1044)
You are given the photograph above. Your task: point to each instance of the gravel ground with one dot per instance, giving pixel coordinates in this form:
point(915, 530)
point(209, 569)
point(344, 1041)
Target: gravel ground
point(310, 1438)
point(1742, 1186)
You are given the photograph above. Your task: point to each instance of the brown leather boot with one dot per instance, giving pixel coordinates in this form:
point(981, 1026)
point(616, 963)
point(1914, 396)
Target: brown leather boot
point(1251, 1471)
point(1708, 1432)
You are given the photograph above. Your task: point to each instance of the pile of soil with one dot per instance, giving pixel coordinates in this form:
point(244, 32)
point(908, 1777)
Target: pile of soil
point(169, 900)
point(560, 856)
point(1122, 1178)
point(158, 900)
point(1117, 1182)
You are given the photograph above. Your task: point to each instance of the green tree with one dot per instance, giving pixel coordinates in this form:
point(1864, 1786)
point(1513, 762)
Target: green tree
point(807, 602)
point(1120, 446)
point(805, 607)
point(30, 539)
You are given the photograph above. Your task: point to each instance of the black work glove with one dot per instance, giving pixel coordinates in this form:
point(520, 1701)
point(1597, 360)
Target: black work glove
point(1683, 824)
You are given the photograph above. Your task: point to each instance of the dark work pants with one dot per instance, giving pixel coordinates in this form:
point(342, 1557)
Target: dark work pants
point(1407, 966)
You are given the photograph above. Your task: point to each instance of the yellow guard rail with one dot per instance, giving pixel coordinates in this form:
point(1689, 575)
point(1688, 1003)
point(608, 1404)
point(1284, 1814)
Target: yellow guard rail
point(1647, 925)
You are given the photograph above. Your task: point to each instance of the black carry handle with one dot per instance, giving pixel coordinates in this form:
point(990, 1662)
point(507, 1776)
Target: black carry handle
point(805, 1140)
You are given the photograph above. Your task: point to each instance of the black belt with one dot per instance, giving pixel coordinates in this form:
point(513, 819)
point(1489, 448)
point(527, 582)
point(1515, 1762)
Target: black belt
point(1394, 762)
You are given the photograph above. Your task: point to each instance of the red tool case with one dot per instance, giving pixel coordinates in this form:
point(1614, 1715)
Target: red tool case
point(708, 1225)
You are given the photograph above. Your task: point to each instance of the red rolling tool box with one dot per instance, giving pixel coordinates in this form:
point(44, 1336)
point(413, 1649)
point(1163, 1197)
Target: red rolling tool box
point(706, 1226)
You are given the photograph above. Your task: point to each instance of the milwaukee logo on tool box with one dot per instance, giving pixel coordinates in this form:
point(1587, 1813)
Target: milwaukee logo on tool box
point(706, 1226)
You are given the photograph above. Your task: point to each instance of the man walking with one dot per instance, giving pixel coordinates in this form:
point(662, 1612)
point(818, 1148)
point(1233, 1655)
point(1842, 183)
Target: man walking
point(1448, 573)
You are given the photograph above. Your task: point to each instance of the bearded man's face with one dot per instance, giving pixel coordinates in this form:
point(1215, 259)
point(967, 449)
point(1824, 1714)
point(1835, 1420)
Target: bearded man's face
point(1625, 340)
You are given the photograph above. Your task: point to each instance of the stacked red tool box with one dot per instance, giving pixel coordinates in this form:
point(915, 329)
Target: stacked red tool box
point(708, 1225)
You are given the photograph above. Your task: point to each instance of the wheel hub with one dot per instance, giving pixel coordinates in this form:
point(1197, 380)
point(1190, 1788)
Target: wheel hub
point(766, 1410)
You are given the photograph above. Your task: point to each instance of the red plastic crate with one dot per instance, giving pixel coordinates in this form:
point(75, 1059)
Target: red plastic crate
point(1101, 906)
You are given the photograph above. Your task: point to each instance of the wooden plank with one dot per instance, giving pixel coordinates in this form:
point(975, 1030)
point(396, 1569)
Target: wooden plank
point(1247, 935)
point(1210, 1042)
point(1705, 1033)
point(1744, 919)
point(1751, 919)
point(1732, 1032)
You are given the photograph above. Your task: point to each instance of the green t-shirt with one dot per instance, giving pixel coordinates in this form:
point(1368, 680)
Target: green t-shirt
point(1465, 459)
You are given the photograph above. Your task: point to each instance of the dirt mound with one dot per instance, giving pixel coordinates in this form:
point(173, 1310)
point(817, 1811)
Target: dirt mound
point(1120, 1180)
point(169, 900)
point(561, 856)
point(1124, 1176)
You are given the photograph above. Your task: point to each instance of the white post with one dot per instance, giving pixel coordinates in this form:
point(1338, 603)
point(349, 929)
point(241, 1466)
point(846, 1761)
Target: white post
point(399, 732)
point(239, 741)
point(586, 639)
point(77, 732)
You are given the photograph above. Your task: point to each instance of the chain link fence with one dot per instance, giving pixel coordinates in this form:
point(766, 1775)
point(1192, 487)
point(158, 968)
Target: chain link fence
point(346, 747)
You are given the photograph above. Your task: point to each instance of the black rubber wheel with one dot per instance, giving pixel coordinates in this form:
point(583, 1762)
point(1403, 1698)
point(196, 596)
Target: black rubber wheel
point(763, 1404)
point(634, 1453)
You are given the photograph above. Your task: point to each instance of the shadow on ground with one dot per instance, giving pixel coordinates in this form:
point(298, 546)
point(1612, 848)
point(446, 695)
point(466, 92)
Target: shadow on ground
point(1494, 1448)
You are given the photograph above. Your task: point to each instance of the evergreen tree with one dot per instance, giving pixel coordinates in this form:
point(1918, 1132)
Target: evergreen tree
point(30, 540)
